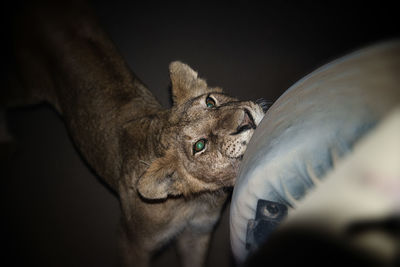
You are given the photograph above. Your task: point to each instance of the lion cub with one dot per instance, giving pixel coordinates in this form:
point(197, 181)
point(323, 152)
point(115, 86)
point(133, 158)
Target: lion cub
point(180, 176)
point(169, 167)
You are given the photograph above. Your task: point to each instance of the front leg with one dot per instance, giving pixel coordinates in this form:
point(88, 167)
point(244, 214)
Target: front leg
point(194, 241)
point(193, 247)
point(132, 251)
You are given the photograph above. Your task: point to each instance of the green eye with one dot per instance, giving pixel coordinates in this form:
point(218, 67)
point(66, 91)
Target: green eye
point(199, 145)
point(210, 103)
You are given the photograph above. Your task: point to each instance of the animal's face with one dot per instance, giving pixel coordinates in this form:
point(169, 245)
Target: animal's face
point(213, 131)
point(207, 136)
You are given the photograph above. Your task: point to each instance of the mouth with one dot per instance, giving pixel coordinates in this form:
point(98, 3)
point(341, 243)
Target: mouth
point(246, 124)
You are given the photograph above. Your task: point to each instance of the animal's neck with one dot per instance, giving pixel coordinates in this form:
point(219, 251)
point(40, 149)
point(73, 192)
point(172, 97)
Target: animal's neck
point(67, 59)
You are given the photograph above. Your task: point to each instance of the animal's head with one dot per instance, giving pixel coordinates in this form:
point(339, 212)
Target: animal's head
point(208, 135)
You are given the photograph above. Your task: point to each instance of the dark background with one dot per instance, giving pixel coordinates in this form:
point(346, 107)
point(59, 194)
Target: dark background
point(55, 212)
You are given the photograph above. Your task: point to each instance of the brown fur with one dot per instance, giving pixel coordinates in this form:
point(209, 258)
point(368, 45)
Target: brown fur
point(144, 152)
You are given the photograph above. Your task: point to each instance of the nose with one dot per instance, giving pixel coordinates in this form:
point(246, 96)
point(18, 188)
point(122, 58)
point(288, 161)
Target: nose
point(246, 123)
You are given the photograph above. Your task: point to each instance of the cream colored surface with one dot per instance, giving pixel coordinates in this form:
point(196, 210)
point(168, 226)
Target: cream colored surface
point(365, 186)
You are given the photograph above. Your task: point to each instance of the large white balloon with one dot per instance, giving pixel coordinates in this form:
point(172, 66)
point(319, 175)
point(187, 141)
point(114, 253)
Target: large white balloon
point(318, 119)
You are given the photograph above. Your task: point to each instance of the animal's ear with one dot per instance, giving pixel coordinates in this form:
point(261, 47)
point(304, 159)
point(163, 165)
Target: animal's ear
point(159, 181)
point(185, 83)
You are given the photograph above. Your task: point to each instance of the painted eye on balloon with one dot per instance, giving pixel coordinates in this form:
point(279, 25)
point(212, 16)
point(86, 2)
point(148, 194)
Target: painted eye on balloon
point(200, 145)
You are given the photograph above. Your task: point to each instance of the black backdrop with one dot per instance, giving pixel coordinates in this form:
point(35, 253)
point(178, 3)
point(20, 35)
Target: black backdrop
point(55, 212)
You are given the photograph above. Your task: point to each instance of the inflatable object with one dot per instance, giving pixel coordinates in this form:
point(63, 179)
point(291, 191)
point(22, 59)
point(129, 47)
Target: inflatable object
point(313, 124)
